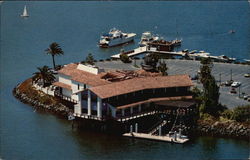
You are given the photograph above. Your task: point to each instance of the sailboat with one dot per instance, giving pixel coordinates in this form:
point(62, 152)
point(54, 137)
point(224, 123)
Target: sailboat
point(25, 13)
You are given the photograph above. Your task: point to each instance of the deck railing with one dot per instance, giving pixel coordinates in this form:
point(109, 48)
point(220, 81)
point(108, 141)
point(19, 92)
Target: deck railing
point(65, 97)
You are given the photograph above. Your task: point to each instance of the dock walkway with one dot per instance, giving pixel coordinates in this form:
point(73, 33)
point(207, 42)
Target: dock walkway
point(144, 49)
point(166, 138)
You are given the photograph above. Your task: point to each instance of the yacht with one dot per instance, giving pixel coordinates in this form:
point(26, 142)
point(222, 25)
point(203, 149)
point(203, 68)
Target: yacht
point(146, 38)
point(115, 37)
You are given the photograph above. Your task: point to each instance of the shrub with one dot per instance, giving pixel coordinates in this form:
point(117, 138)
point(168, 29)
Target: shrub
point(241, 113)
point(227, 114)
point(125, 58)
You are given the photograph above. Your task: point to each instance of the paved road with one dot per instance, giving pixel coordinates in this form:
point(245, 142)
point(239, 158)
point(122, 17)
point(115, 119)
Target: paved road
point(191, 68)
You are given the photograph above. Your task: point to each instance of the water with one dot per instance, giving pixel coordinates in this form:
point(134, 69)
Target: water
point(76, 26)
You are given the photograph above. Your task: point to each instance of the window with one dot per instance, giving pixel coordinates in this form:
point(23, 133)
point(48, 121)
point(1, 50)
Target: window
point(78, 86)
point(85, 86)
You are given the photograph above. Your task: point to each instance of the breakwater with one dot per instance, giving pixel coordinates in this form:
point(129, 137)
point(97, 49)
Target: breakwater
point(230, 129)
point(35, 101)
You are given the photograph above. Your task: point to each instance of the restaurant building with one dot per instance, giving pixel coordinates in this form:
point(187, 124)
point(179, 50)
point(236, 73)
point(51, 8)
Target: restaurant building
point(121, 95)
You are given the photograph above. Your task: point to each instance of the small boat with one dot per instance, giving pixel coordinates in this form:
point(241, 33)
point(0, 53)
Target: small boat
point(232, 31)
point(146, 38)
point(115, 37)
point(176, 42)
point(25, 13)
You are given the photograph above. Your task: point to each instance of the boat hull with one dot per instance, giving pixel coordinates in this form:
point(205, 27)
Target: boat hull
point(116, 44)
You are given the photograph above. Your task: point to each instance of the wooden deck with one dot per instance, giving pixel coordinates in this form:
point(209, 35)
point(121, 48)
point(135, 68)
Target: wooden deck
point(157, 138)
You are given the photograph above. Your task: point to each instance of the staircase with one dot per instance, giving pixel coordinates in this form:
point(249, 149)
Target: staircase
point(156, 128)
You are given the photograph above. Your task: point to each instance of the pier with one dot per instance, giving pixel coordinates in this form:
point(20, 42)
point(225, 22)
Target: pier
point(166, 138)
point(185, 53)
point(145, 49)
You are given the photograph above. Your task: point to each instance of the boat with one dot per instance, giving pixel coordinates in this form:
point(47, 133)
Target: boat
point(146, 38)
point(176, 42)
point(115, 37)
point(25, 13)
point(231, 31)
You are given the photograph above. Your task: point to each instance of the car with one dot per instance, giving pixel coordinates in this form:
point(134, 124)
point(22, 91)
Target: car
point(229, 82)
point(245, 97)
point(247, 75)
point(233, 90)
point(195, 77)
point(235, 84)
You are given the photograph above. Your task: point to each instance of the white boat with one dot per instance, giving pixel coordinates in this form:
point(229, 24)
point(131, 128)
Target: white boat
point(115, 37)
point(25, 13)
point(146, 38)
point(176, 42)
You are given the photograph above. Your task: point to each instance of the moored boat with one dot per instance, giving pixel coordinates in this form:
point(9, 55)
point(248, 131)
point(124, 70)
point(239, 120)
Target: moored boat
point(146, 38)
point(176, 42)
point(115, 37)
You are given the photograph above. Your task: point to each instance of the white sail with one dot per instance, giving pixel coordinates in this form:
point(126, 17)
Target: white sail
point(25, 13)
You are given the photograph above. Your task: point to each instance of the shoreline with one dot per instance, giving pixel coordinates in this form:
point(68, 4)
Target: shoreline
point(58, 108)
point(214, 128)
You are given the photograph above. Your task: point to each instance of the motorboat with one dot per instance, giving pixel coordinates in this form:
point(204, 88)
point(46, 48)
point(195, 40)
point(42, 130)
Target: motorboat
point(115, 37)
point(146, 38)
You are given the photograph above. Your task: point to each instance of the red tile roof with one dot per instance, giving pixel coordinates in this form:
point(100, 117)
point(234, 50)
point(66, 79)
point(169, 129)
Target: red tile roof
point(63, 85)
point(82, 76)
point(163, 99)
point(137, 84)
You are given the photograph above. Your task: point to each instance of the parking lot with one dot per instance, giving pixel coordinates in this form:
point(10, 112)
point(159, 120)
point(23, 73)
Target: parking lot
point(221, 71)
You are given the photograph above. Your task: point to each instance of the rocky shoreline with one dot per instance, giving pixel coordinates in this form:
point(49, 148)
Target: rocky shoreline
point(58, 108)
point(229, 129)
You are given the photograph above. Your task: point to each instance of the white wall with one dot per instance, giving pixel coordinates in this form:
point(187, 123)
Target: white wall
point(89, 68)
point(64, 79)
point(66, 92)
point(77, 109)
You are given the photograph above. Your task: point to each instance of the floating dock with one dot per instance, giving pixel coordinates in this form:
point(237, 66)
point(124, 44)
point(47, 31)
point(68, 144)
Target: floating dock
point(166, 138)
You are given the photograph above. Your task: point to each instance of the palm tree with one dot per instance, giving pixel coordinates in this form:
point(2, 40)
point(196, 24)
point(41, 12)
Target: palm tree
point(44, 74)
point(90, 59)
point(54, 49)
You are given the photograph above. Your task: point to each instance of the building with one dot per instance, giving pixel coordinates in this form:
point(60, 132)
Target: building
point(119, 95)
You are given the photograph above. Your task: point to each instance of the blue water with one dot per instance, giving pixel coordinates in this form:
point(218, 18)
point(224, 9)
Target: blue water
point(76, 26)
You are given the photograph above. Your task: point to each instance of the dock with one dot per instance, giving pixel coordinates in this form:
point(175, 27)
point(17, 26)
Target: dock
point(144, 49)
point(166, 138)
point(192, 55)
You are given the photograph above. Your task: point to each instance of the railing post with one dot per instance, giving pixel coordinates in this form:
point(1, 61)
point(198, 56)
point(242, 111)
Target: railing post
point(136, 128)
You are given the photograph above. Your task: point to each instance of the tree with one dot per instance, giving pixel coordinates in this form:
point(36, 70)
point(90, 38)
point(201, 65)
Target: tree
point(45, 75)
point(125, 58)
point(90, 59)
point(150, 62)
point(54, 50)
point(163, 68)
point(210, 96)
